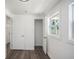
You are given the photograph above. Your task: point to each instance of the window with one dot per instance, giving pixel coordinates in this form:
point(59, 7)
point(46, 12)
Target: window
point(71, 21)
point(53, 24)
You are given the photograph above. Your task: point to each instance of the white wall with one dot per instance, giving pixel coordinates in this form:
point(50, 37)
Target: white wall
point(60, 47)
point(38, 32)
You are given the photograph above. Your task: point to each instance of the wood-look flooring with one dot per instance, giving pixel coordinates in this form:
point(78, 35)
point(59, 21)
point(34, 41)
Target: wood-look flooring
point(26, 54)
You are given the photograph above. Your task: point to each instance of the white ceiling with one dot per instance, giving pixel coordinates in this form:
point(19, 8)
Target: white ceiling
point(30, 7)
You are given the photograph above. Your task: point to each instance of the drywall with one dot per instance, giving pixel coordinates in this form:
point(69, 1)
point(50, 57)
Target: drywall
point(38, 32)
point(8, 12)
point(60, 47)
point(23, 30)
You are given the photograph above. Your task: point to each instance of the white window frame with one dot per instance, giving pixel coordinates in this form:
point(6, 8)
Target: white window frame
point(53, 15)
point(71, 20)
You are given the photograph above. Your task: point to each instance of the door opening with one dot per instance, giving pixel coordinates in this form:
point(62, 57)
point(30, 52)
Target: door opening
point(38, 32)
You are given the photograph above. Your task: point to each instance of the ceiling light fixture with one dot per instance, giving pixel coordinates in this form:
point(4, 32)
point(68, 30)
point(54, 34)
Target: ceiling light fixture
point(23, 0)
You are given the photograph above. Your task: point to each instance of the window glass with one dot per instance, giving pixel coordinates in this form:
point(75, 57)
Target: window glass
point(71, 21)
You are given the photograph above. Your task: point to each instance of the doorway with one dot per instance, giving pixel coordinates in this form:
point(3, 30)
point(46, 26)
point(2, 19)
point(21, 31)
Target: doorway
point(38, 32)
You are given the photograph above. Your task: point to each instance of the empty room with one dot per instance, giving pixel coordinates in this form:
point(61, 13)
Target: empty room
point(39, 29)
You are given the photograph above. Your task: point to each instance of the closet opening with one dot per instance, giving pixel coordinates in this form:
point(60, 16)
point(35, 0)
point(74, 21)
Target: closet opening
point(38, 36)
